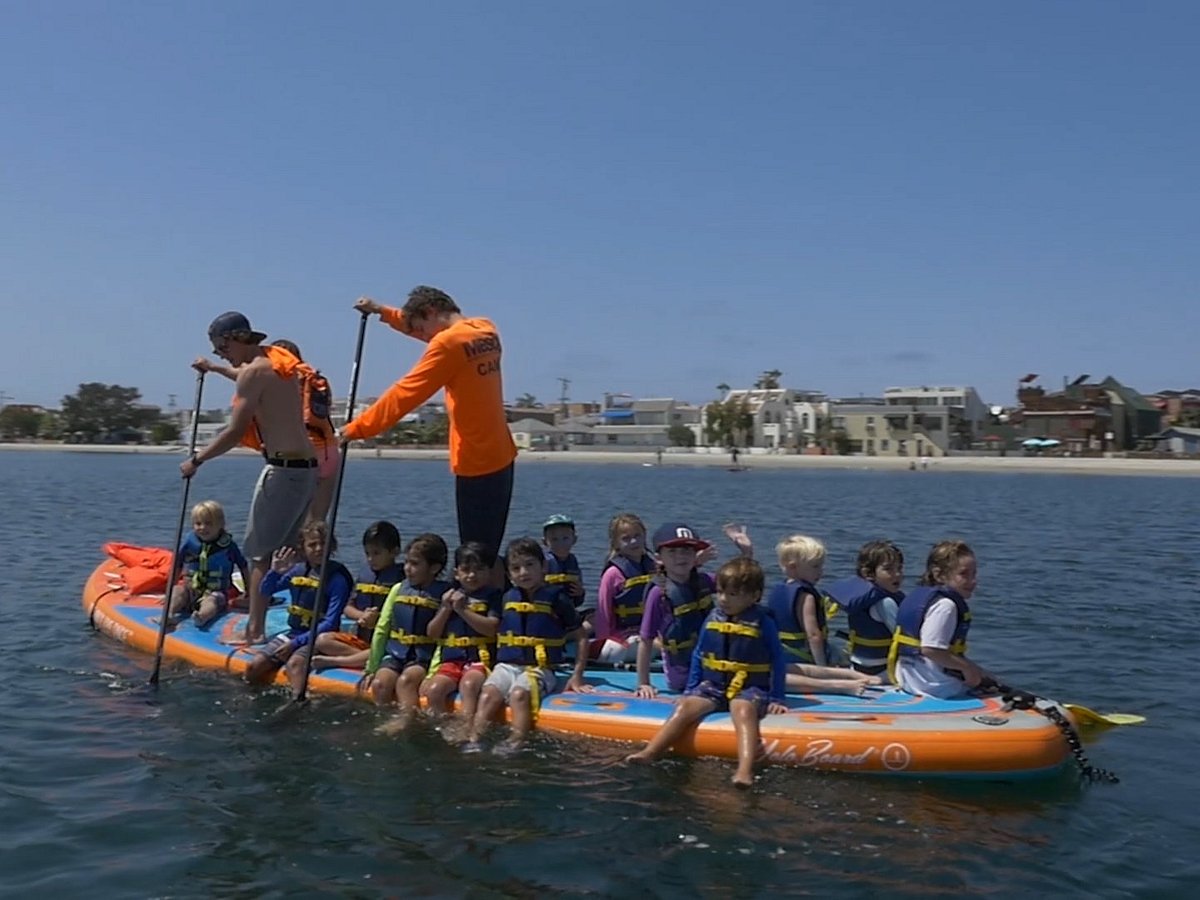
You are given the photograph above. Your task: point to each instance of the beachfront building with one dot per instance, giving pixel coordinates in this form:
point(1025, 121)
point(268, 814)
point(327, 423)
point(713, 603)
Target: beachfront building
point(1087, 416)
point(1178, 440)
point(535, 434)
point(887, 429)
point(781, 418)
point(1178, 407)
point(968, 413)
point(640, 424)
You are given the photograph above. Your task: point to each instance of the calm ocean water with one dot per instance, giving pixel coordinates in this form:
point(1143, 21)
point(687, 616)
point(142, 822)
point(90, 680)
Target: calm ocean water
point(111, 790)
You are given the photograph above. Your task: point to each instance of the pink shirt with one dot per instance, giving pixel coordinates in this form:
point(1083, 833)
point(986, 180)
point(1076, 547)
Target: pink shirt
point(605, 620)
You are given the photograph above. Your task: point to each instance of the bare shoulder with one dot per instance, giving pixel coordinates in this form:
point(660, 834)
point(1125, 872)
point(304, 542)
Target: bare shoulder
point(251, 375)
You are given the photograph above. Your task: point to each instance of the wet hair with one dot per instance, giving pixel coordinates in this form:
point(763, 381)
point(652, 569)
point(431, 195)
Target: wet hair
point(740, 576)
point(874, 554)
point(525, 548)
point(211, 511)
point(943, 558)
point(318, 528)
point(615, 524)
point(382, 534)
point(474, 556)
point(431, 548)
point(800, 548)
point(424, 300)
point(289, 347)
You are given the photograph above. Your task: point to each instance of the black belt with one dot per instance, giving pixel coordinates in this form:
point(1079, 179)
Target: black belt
point(309, 463)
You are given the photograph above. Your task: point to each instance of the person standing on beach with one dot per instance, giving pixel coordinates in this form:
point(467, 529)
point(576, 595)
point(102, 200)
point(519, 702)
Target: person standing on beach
point(266, 403)
point(463, 357)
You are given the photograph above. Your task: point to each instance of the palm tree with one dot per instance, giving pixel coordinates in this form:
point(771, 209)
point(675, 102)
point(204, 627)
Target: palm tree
point(769, 380)
point(527, 401)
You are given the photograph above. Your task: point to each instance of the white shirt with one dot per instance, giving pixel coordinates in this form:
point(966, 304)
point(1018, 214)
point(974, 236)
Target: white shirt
point(920, 675)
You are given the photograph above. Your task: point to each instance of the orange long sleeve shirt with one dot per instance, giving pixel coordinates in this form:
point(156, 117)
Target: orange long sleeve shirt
point(465, 360)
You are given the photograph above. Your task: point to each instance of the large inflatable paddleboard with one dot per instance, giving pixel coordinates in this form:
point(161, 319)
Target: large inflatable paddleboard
point(884, 732)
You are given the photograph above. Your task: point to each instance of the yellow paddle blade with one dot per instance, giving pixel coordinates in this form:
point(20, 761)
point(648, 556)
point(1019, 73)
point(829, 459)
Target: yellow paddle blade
point(1086, 716)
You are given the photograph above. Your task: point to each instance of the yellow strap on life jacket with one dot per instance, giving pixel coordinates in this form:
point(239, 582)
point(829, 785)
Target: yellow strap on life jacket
point(676, 646)
point(535, 691)
point(306, 581)
point(465, 642)
point(635, 581)
point(304, 614)
point(364, 588)
point(740, 671)
point(524, 640)
point(485, 657)
point(200, 576)
point(683, 609)
point(750, 631)
point(959, 647)
point(857, 640)
point(417, 600)
point(630, 610)
point(831, 607)
point(562, 578)
point(411, 639)
point(523, 606)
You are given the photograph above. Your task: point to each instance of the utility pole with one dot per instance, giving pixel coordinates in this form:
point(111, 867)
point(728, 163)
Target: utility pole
point(563, 397)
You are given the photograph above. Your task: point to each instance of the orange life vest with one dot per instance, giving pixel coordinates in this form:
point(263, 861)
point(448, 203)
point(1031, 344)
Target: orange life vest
point(316, 398)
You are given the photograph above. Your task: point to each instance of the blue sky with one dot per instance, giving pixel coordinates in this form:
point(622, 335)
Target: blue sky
point(646, 197)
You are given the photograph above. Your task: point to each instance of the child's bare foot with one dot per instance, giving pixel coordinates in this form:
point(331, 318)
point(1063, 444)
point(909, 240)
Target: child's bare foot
point(742, 780)
point(320, 663)
point(872, 680)
point(642, 756)
point(849, 688)
point(394, 726)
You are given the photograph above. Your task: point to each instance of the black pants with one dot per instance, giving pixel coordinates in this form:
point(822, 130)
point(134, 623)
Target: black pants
point(483, 502)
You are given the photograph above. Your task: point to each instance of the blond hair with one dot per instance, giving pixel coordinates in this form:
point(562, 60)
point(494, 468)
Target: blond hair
point(210, 511)
point(616, 523)
point(800, 548)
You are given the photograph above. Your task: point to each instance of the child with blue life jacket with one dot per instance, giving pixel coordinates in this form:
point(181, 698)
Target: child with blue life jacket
point(351, 650)
point(562, 568)
point(676, 606)
point(797, 604)
point(466, 627)
point(929, 647)
point(737, 665)
point(871, 600)
point(621, 599)
point(300, 576)
point(402, 647)
point(208, 557)
point(536, 621)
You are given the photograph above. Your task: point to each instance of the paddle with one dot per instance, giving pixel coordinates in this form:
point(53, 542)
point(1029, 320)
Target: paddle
point(330, 523)
point(1085, 716)
point(175, 561)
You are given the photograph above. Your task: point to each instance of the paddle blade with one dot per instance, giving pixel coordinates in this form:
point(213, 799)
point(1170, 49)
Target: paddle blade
point(1085, 716)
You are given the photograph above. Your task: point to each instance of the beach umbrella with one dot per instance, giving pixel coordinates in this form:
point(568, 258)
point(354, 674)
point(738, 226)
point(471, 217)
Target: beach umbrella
point(1049, 442)
point(1031, 442)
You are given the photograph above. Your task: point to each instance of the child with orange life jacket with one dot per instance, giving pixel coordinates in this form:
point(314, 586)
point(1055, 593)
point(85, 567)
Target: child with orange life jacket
point(928, 655)
point(737, 665)
point(402, 647)
point(300, 575)
point(621, 599)
point(536, 621)
point(871, 600)
point(465, 626)
point(208, 557)
point(381, 545)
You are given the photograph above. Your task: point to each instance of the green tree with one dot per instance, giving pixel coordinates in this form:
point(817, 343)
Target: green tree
point(51, 428)
point(527, 401)
point(728, 421)
point(681, 436)
point(19, 421)
point(164, 431)
point(722, 389)
point(97, 410)
point(769, 380)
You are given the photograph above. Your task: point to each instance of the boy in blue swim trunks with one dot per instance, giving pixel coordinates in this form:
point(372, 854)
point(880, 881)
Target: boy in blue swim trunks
point(737, 666)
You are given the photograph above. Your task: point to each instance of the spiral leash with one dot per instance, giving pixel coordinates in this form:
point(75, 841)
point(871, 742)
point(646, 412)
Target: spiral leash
point(1014, 699)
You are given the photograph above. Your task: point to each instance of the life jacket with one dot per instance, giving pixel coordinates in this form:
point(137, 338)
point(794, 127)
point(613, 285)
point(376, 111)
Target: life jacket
point(371, 591)
point(782, 604)
point(146, 569)
point(461, 642)
point(210, 568)
point(531, 633)
point(412, 610)
point(630, 601)
point(870, 640)
point(907, 639)
point(302, 588)
point(563, 572)
point(316, 399)
point(733, 654)
point(690, 605)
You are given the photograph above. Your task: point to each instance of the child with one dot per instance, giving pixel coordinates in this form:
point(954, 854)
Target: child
point(737, 665)
point(207, 557)
point(621, 600)
point(562, 568)
point(381, 545)
point(798, 607)
point(929, 649)
point(871, 599)
point(676, 607)
point(402, 647)
point(466, 625)
point(536, 622)
point(301, 578)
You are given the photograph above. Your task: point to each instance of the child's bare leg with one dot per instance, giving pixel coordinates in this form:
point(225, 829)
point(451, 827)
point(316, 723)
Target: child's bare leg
point(180, 602)
point(468, 692)
point(331, 652)
point(490, 703)
point(437, 691)
point(295, 670)
point(796, 683)
point(383, 688)
point(210, 608)
point(521, 705)
point(688, 711)
point(745, 726)
point(833, 673)
point(261, 669)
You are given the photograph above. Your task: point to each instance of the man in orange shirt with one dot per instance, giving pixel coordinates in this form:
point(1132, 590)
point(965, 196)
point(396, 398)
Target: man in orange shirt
point(463, 357)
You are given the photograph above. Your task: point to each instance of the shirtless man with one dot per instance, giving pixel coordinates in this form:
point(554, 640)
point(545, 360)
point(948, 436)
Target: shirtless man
point(267, 402)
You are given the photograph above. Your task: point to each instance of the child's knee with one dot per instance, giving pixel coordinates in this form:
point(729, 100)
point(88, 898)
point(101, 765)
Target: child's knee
point(519, 697)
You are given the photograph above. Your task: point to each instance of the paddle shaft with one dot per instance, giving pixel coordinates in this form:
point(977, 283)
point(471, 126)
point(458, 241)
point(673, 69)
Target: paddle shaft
point(331, 517)
point(175, 561)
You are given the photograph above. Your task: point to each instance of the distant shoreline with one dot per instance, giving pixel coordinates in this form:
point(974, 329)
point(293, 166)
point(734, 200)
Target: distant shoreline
point(749, 461)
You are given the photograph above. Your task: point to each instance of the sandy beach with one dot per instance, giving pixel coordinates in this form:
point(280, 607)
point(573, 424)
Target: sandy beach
point(750, 460)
